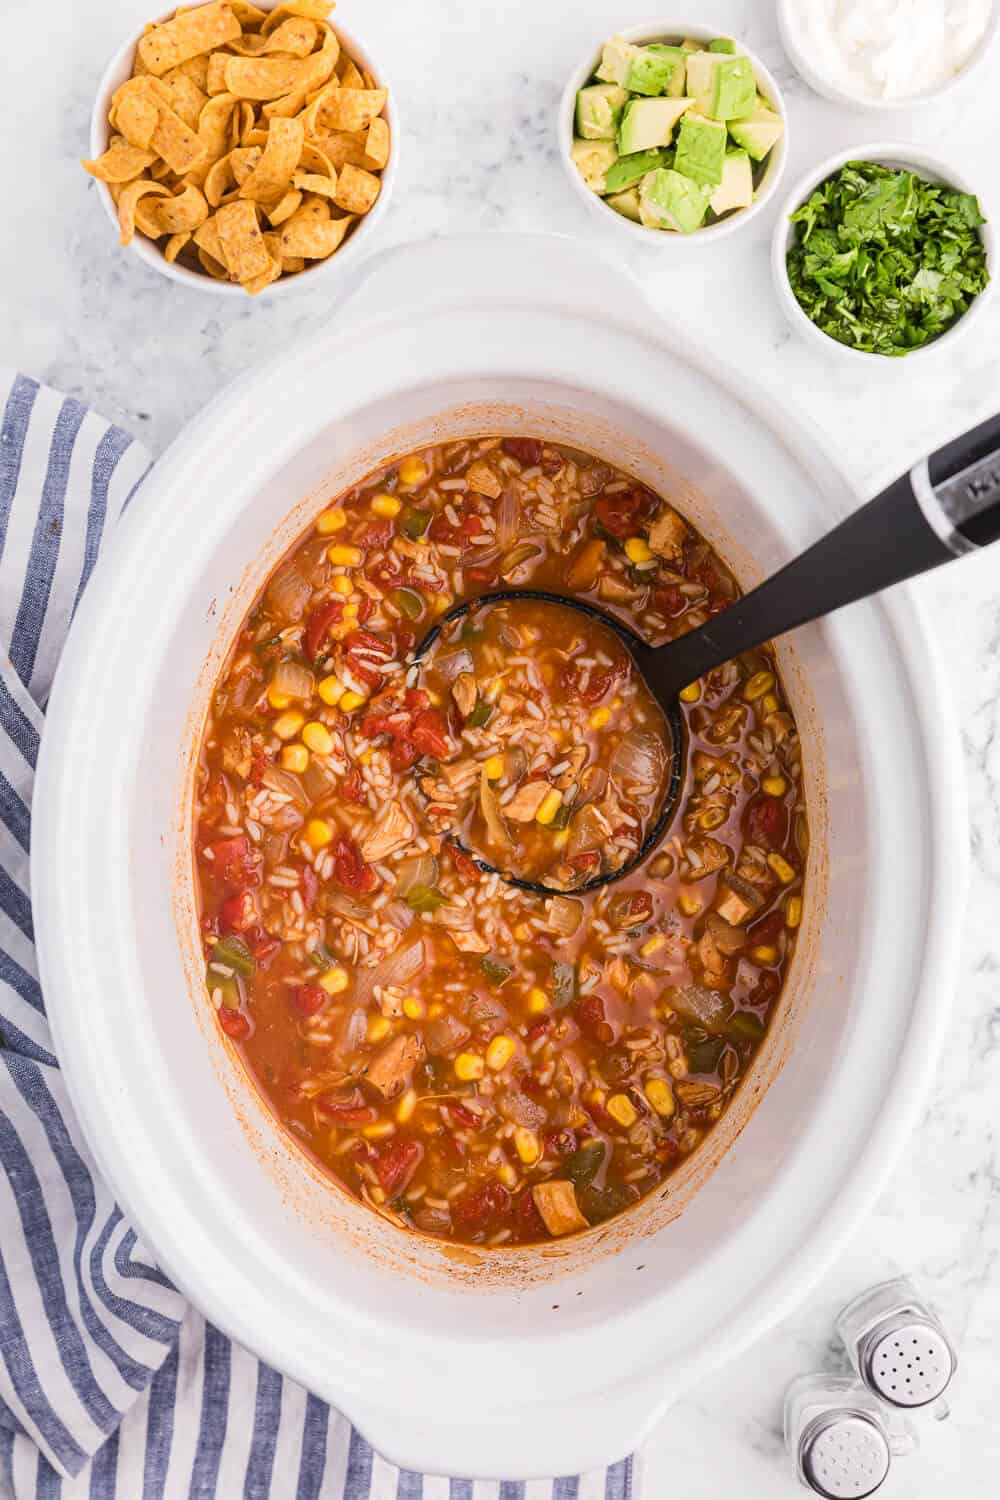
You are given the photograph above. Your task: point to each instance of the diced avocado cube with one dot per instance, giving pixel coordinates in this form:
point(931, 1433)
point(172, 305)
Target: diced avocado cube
point(667, 200)
point(736, 188)
point(676, 59)
point(648, 73)
point(628, 170)
point(758, 132)
point(722, 44)
point(616, 58)
point(626, 204)
point(723, 87)
point(593, 159)
point(646, 123)
point(701, 149)
point(598, 111)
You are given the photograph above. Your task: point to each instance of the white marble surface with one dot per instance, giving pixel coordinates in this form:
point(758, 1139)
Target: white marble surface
point(478, 86)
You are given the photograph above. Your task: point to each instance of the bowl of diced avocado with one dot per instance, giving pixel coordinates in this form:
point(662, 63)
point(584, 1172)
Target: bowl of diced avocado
point(671, 130)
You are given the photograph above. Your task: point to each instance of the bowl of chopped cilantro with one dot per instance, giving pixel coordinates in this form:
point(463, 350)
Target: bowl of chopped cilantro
point(883, 251)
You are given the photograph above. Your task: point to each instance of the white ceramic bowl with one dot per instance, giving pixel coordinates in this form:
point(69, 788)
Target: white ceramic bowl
point(638, 234)
point(886, 154)
point(555, 1358)
point(358, 243)
point(795, 44)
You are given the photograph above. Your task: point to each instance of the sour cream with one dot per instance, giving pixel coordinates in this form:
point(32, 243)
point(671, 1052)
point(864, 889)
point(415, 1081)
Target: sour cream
point(889, 49)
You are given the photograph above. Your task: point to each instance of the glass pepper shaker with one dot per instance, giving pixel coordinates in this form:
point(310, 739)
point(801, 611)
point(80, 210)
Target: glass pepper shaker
point(841, 1437)
point(897, 1346)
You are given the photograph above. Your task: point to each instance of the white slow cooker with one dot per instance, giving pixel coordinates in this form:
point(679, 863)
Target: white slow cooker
point(450, 1359)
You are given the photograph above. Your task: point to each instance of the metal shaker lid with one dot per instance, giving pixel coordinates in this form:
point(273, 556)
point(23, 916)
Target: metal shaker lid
point(907, 1361)
point(844, 1455)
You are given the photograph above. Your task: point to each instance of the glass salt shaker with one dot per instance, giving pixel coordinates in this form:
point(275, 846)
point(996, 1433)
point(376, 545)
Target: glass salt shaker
point(842, 1438)
point(897, 1346)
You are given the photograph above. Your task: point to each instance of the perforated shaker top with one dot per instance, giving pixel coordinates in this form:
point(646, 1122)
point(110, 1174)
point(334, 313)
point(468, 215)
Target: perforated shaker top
point(846, 1456)
point(910, 1364)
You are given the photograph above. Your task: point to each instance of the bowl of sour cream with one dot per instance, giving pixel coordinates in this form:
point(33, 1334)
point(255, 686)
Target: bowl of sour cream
point(887, 54)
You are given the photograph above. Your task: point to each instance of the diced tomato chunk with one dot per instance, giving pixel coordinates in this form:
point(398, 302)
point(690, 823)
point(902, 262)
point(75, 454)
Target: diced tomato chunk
point(377, 533)
point(403, 755)
point(352, 788)
point(527, 451)
point(366, 608)
point(484, 1208)
point(588, 685)
point(396, 1164)
point(350, 870)
point(765, 821)
point(363, 654)
point(446, 534)
point(463, 862)
point(308, 999)
point(625, 512)
point(235, 862)
point(430, 733)
point(318, 626)
point(669, 600)
point(261, 944)
point(234, 1023)
point(461, 1115)
point(239, 913)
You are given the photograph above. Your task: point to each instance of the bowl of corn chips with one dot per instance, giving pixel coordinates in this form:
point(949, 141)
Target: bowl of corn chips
point(243, 148)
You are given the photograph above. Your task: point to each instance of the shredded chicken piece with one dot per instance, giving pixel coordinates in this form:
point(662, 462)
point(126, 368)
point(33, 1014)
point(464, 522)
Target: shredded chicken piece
point(526, 801)
point(465, 693)
point(483, 480)
point(707, 856)
point(556, 1202)
point(667, 533)
point(392, 1065)
point(469, 942)
point(393, 831)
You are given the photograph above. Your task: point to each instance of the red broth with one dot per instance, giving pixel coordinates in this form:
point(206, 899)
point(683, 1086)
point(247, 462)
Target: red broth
point(476, 1062)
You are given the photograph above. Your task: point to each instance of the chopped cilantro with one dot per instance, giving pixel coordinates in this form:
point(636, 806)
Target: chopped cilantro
point(885, 261)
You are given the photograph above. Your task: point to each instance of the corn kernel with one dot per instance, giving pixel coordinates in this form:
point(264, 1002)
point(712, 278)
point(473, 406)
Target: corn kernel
point(653, 945)
point(318, 833)
point(793, 911)
point(441, 602)
point(560, 839)
point(435, 1010)
point(366, 757)
point(350, 701)
point(469, 1066)
point(527, 1145)
point(294, 758)
point(379, 1129)
point(435, 698)
point(781, 868)
point(538, 1000)
point(413, 471)
point(507, 1175)
point(278, 700)
point(493, 768)
point(600, 717)
point(771, 704)
point(317, 738)
point(334, 981)
point(689, 904)
point(386, 506)
point(712, 817)
point(499, 1053)
point(344, 556)
point(637, 550)
point(331, 520)
point(342, 584)
point(774, 786)
point(759, 684)
point(378, 1028)
point(550, 805)
point(413, 1009)
point(764, 953)
point(691, 693)
point(616, 704)
point(621, 1108)
point(350, 611)
point(523, 932)
point(331, 690)
point(406, 1106)
point(287, 725)
point(659, 1094)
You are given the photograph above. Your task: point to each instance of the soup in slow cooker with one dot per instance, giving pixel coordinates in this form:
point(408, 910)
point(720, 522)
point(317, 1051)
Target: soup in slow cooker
point(472, 1060)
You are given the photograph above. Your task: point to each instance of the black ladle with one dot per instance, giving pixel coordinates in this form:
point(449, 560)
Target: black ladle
point(946, 506)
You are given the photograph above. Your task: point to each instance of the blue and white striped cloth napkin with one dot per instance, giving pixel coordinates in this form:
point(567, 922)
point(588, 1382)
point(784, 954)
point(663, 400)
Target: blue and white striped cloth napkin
point(111, 1386)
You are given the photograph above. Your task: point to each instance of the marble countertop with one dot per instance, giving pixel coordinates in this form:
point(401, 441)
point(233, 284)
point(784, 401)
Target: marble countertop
point(478, 87)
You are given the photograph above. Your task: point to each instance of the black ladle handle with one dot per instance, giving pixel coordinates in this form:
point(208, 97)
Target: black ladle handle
point(948, 505)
